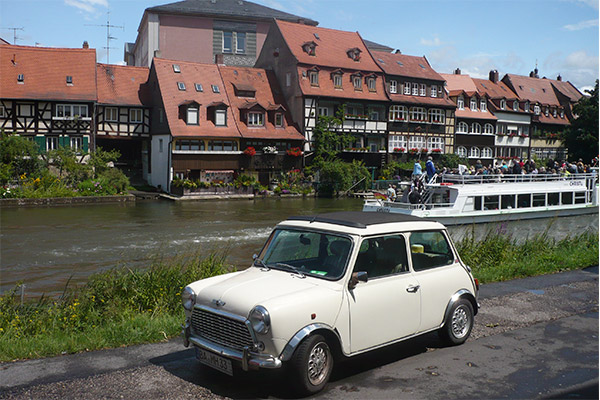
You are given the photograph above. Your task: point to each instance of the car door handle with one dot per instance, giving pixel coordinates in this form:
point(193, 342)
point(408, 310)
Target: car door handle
point(413, 289)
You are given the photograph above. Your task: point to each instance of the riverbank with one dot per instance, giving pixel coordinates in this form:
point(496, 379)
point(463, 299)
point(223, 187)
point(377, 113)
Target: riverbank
point(66, 201)
point(128, 306)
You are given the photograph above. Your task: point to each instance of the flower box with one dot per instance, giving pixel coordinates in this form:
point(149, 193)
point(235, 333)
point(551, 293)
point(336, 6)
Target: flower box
point(250, 151)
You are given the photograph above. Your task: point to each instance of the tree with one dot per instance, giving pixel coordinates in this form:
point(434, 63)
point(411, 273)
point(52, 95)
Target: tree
point(327, 144)
point(581, 137)
point(18, 156)
point(101, 159)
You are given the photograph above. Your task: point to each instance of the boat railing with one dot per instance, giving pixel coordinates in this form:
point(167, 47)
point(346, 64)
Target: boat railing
point(418, 206)
point(518, 178)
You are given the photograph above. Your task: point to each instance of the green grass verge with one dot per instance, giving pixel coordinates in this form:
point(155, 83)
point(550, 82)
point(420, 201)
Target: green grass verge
point(125, 306)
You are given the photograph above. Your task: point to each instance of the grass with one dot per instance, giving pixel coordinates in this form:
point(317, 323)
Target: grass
point(124, 306)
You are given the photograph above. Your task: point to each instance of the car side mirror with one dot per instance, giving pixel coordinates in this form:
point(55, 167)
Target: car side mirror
point(360, 276)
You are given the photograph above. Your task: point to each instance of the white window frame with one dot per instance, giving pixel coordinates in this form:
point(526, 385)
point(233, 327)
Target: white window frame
point(357, 82)
point(70, 111)
point(416, 142)
point(474, 152)
point(436, 142)
point(554, 113)
point(314, 78)
point(536, 110)
point(136, 115)
point(476, 127)
point(181, 86)
point(515, 105)
point(278, 120)
point(423, 91)
point(488, 129)
point(238, 49)
point(461, 151)
point(486, 152)
point(198, 87)
point(437, 116)
point(418, 114)
point(483, 105)
point(393, 86)
point(562, 113)
point(547, 111)
point(256, 119)
point(338, 81)
point(502, 104)
point(227, 36)
point(397, 141)
point(323, 111)
point(220, 117)
point(415, 89)
point(76, 143)
point(288, 79)
point(526, 107)
point(51, 143)
point(407, 88)
point(398, 113)
point(473, 104)
point(193, 116)
point(462, 127)
point(111, 118)
point(460, 103)
point(434, 91)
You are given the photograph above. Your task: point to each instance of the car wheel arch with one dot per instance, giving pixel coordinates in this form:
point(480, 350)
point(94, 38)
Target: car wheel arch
point(330, 334)
point(461, 294)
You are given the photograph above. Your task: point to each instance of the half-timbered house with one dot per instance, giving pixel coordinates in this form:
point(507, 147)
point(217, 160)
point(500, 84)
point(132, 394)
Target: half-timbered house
point(48, 95)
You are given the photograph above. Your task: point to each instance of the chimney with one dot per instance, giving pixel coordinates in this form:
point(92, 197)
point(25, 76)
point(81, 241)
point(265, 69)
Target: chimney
point(86, 45)
point(559, 78)
point(494, 76)
point(457, 71)
point(219, 59)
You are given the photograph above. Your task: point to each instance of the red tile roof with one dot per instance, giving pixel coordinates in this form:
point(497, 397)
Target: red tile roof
point(172, 97)
point(567, 89)
point(467, 113)
point(326, 87)
point(404, 65)
point(494, 90)
point(422, 100)
point(459, 83)
point(45, 72)
point(331, 49)
point(121, 85)
point(532, 89)
point(267, 95)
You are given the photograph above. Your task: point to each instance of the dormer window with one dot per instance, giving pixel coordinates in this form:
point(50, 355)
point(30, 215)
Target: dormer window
point(221, 117)
point(393, 87)
point(546, 112)
point(502, 104)
point(256, 119)
point(314, 77)
point(515, 105)
point(407, 88)
point(176, 68)
point(192, 115)
point(415, 89)
point(423, 91)
point(483, 105)
point(279, 120)
point(526, 107)
point(337, 81)
point(198, 87)
point(562, 113)
point(357, 82)
point(460, 103)
point(371, 84)
point(310, 48)
point(180, 85)
point(434, 91)
point(20, 78)
point(354, 53)
point(473, 104)
point(554, 113)
point(536, 109)
point(244, 90)
point(69, 80)
point(215, 89)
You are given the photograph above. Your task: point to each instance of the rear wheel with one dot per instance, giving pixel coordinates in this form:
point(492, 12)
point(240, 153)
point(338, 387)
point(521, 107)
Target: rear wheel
point(459, 323)
point(312, 364)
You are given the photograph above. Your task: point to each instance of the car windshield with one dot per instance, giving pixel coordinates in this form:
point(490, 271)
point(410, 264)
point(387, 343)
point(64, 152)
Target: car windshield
point(306, 253)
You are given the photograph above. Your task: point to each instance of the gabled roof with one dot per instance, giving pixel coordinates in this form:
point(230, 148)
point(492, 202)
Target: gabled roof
point(122, 85)
point(373, 46)
point(326, 87)
point(459, 83)
point(532, 89)
point(404, 65)
point(567, 89)
point(228, 9)
point(494, 90)
point(268, 97)
point(45, 71)
point(332, 46)
point(192, 73)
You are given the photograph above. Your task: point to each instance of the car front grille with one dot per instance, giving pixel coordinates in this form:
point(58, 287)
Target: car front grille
point(221, 329)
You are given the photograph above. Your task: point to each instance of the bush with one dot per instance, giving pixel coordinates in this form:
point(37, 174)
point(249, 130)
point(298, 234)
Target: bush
point(114, 180)
point(337, 176)
point(18, 156)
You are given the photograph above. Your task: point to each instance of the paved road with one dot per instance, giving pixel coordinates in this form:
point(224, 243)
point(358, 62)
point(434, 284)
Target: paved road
point(534, 337)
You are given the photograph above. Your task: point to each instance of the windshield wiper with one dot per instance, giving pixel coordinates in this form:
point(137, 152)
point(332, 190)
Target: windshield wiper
point(290, 268)
point(260, 263)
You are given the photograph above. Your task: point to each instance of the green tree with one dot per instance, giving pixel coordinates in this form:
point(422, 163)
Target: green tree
point(581, 137)
point(18, 156)
point(101, 159)
point(336, 176)
point(65, 159)
point(328, 144)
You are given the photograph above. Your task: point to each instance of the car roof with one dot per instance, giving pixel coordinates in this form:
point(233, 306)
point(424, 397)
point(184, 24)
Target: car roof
point(357, 219)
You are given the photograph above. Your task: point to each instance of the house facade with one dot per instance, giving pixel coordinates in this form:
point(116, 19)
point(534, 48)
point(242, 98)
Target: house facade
point(198, 30)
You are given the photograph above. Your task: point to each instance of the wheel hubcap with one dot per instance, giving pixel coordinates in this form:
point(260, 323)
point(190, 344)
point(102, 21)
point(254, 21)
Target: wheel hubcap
point(318, 363)
point(460, 322)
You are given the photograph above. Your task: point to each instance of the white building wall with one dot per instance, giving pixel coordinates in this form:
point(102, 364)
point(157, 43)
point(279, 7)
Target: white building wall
point(161, 162)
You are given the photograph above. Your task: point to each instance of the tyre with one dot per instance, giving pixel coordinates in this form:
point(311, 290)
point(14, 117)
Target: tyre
point(459, 323)
point(311, 365)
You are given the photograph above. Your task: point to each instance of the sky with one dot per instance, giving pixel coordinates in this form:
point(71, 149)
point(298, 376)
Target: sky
point(511, 36)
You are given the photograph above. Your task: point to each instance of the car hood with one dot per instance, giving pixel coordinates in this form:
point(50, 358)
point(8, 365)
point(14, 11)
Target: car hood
point(242, 291)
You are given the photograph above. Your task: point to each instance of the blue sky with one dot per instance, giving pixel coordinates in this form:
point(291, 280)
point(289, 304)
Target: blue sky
point(474, 35)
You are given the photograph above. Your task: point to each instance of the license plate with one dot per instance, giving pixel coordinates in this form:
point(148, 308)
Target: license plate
point(212, 360)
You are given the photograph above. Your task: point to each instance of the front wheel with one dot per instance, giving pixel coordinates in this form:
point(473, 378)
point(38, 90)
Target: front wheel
point(459, 323)
point(312, 364)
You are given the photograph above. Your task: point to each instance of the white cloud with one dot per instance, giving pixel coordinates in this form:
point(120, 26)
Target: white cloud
point(87, 6)
point(581, 25)
point(591, 3)
point(431, 42)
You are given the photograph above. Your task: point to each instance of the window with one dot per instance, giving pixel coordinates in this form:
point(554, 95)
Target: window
point(180, 85)
point(473, 104)
point(437, 116)
point(255, 119)
point(357, 82)
point(69, 80)
point(562, 113)
point(398, 113)
point(486, 152)
point(515, 105)
point(502, 104)
point(194, 145)
point(526, 107)
point(523, 200)
point(416, 142)
point(323, 111)
point(475, 127)
point(553, 199)
point(474, 153)
point(418, 114)
point(76, 143)
point(546, 111)
point(192, 116)
point(501, 129)
point(288, 79)
point(539, 200)
point(382, 256)
point(371, 84)
point(20, 78)
point(436, 143)
point(393, 87)
point(314, 78)
point(415, 89)
point(227, 42)
point(337, 81)
point(397, 142)
point(567, 197)
point(460, 103)
point(220, 117)
point(176, 69)
point(240, 42)
point(488, 129)
point(51, 143)
point(429, 250)
point(198, 87)
point(135, 115)
point(354, 110)
point(461, 151)
point(483, 105)
point(462, 127)
point(536, 110)
point(407, 88)
point(374, 115)
point(215, 89)
point(111, 114)
point(222, 145)
point(71, 110)
point(160, 145)
point(491, 202)
point(423, 91)
point(554, 113)
point(279, 120)
point(434, 91)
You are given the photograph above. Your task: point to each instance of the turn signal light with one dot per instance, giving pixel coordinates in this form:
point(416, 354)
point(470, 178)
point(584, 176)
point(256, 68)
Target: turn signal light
point(477, 283)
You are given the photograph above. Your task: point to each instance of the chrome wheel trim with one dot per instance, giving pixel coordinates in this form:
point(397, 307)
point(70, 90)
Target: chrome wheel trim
point(460, 321)
point(319, 360)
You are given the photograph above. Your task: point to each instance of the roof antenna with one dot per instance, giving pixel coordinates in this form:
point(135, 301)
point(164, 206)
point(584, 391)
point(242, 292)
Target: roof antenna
point(108, 37)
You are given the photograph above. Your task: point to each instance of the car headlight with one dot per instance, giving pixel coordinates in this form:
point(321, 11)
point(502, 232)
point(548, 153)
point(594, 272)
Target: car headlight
point(188, 298)
point(260, 319)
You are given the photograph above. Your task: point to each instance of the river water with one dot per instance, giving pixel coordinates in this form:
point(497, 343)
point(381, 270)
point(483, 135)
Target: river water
point(46, 247)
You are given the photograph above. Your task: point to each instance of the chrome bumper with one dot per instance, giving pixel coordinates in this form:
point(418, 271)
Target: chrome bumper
point(247, 359)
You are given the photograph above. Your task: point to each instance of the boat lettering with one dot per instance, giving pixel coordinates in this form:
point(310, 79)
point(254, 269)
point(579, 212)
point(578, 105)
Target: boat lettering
point(576, 183)
point(383, 209)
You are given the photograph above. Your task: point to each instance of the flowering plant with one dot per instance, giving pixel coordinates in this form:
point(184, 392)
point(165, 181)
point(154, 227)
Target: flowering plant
point(250, 151)
point(436, 151)
point(399, 149)
point(413, 150)
point(294, 151)
point(424, 150)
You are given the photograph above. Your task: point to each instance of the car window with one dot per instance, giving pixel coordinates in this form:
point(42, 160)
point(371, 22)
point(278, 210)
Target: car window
point(429, 249)
point(382, 256)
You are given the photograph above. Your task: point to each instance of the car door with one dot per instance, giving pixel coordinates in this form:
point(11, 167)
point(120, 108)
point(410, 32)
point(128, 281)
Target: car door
point(387, 306)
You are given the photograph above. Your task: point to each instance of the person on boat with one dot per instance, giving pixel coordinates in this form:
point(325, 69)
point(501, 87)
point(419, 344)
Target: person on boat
point(391, 193)
point(417, 169)
point(414, 196)
point(430, 167)
point(478, 165)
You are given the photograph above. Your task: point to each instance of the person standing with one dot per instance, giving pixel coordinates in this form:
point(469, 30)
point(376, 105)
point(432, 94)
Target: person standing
point(430, 168)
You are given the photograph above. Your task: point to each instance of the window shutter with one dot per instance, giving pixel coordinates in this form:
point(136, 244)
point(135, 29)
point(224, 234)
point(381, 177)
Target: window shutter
point(85, 144)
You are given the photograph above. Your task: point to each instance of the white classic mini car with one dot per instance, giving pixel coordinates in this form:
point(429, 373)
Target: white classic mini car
point(331, 286)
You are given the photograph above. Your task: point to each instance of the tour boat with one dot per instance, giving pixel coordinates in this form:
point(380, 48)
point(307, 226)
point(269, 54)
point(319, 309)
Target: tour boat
point(468, 199)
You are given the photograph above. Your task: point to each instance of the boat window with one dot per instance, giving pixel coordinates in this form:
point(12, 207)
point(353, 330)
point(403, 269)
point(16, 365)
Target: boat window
point(478, 204)
point(429, 250)
point(508, 201)
point(523, 200)
point(579, 197)
point(553, 199)
point(491, 202)
point(567, 198)
point(539, 199)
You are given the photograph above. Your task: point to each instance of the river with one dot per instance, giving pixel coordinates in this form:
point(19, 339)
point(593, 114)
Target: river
point(46, 247)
